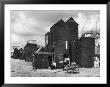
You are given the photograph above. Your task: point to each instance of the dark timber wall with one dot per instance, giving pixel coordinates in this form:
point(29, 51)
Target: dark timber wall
point(58, 42)
point(29, 49)
point(71, 30)
point(87, 49)
point(72, 50)
point(41, 60)
point(59, 52)
point(57, 37)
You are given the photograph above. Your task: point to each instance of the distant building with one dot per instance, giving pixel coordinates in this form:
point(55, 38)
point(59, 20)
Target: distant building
point(29, 49)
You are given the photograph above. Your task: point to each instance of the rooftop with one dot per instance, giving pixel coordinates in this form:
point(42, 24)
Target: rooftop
point(71, 20)
point(32, 41)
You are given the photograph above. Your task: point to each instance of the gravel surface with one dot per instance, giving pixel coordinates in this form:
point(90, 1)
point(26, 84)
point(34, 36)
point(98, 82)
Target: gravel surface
point(20, 68)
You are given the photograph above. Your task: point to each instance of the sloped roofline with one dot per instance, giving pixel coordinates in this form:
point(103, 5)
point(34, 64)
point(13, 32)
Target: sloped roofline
point(72, 20)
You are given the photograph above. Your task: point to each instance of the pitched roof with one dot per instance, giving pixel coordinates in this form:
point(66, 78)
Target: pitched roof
point(71, 20)
point(60, 22)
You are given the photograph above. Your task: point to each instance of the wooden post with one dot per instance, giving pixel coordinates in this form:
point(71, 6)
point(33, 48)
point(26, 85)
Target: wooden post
point(66, 45)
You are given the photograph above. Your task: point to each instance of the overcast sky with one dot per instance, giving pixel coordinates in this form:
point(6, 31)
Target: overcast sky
point(32, 25)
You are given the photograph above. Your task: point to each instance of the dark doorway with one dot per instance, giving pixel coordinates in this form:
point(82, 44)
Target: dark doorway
point(65, 55)
point(50, 60)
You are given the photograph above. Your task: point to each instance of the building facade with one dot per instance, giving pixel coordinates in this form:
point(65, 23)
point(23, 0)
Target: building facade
point(62, 40)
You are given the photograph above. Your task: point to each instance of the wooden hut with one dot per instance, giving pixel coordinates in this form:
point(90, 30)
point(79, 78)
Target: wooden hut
point(87, 50)
point(29, 49)
point(42, 60)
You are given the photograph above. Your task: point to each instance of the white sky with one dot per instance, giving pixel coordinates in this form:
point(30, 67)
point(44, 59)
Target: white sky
point(32, 25)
